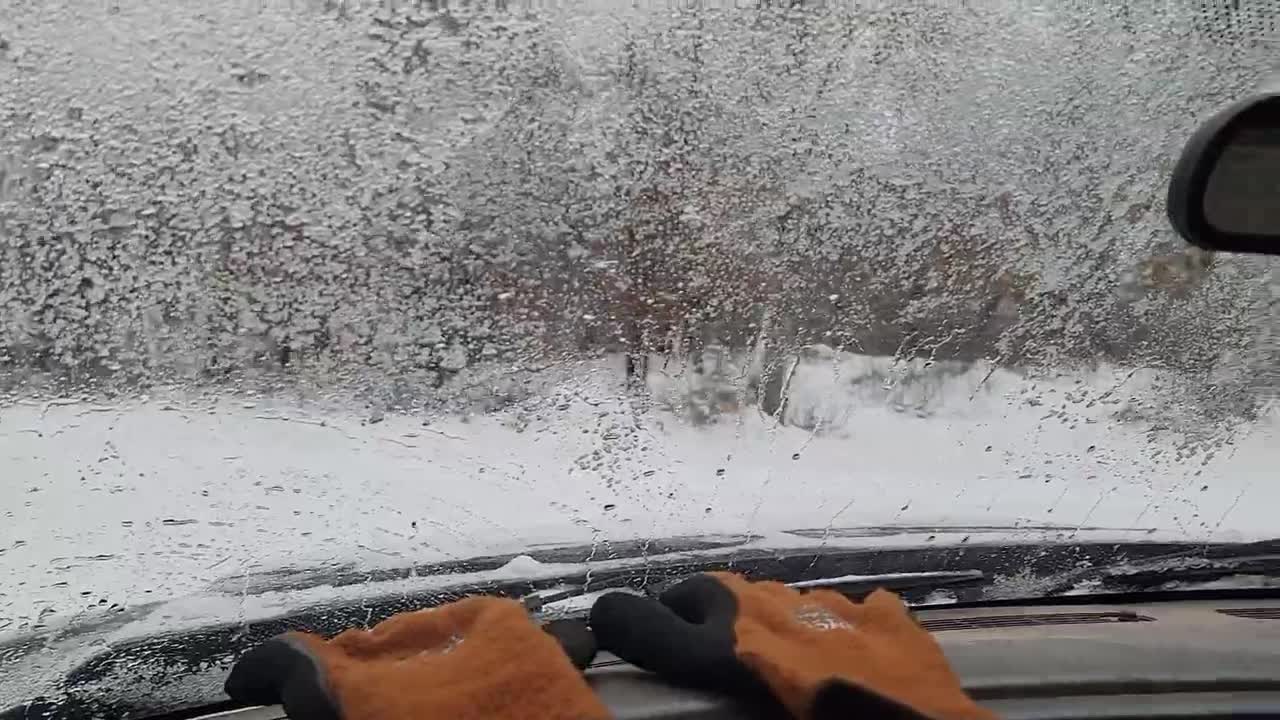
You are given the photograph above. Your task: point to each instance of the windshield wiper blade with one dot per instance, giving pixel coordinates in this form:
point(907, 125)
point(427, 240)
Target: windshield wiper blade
point(853, 586)
point(1191, 570)
point(858, 585)
point(1201, 564)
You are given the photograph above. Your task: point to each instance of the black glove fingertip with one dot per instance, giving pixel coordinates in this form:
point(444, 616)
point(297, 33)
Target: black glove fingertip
point(282, 672)
point(702, 599)
point(258, 676)
point(647, 634)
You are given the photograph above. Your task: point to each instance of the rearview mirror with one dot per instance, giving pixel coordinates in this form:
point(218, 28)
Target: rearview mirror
point(1225, 191)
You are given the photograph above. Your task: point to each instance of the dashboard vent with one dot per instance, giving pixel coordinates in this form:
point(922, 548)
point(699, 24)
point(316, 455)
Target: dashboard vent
point(1252, 613)
point(981, 622)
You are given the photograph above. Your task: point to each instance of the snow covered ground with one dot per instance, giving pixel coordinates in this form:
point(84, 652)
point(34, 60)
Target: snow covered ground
point(163, 497)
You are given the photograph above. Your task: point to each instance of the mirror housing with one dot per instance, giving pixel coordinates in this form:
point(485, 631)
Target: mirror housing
point(1224, 194)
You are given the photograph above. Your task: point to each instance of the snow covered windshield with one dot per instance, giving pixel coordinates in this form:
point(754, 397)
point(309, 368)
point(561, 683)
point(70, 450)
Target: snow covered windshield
point(300, 284)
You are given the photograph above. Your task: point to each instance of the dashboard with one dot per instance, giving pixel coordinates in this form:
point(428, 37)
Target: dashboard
point(1180, 659)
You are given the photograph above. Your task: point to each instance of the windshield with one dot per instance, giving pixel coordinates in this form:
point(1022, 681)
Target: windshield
point(298, 286)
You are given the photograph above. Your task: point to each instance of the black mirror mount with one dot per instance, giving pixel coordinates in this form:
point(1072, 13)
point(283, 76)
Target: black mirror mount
point(1224, 194)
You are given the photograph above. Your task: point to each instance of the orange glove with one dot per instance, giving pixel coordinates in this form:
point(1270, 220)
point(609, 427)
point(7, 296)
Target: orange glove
point(480, 657)
point(819, 654)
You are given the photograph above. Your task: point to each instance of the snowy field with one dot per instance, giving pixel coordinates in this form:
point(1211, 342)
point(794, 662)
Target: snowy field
point(166, 497)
